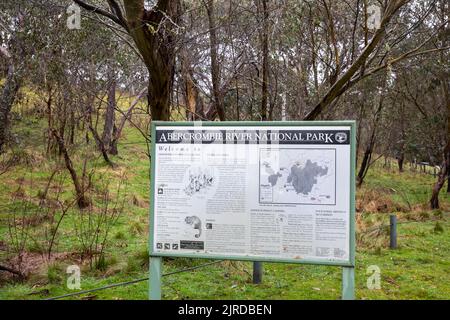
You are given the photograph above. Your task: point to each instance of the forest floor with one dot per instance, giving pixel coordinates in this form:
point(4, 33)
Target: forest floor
point(418, 269)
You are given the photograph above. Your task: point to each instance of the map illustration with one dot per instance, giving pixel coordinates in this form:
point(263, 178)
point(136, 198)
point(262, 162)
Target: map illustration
point(297, 176)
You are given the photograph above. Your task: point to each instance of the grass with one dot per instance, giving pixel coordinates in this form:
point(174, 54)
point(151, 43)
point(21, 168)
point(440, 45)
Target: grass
point(418, 269)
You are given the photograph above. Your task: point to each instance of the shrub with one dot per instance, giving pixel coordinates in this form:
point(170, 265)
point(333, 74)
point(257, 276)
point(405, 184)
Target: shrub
point(438, 228)
point(55, 273)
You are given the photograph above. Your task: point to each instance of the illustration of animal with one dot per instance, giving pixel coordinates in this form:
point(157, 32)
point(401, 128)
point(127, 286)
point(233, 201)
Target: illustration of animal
point(196, 223)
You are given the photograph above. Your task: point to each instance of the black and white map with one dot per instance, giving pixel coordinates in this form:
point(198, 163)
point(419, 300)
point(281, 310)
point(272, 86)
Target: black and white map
point(297, 176)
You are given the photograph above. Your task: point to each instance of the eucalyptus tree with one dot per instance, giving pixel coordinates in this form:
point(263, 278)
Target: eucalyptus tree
point(19, 42)
point(153, 27)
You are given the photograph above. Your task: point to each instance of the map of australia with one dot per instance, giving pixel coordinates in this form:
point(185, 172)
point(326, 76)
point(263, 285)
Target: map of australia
point(299, 176)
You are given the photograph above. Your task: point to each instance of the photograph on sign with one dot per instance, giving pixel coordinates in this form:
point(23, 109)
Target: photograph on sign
point(277, 193)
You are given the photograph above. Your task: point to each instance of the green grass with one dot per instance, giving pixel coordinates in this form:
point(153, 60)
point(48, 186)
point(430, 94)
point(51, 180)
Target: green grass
point(418, 269)
point(407, 189)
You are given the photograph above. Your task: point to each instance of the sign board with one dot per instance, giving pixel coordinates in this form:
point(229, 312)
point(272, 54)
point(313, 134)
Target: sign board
point(260, 191)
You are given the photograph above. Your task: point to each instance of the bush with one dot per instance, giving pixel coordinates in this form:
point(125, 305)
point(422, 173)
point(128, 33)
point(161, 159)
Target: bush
point(438, 228)
point(139, 261)
point(55, 273)
point(438, 213)
point(119, 236)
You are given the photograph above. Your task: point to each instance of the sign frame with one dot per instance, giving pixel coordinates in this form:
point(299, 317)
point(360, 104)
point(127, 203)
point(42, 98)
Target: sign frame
point(156, 257)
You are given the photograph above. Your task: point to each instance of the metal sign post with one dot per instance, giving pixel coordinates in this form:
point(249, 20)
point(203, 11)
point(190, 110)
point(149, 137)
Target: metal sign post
point(257, 272)
point(155, 278)
point(348, 283)
point(279, 192)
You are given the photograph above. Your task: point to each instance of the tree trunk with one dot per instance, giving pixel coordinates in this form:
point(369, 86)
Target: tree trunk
point(400, 161)
point(159, 98)
point(7, 98)
point(82, 200)
point(358, 131)
point(369, 149)
point(49, 119)
point(113, 145)
point(445, 172)
point(156, 44)
point(445, 167)
point(215, 70)
point(110, 117)
point(265, 61)
point(192, 99)
point(72, 127)
point(366, 160)
point(448, 173)
point(401, 148)
point(434, 201)
point(101, 146)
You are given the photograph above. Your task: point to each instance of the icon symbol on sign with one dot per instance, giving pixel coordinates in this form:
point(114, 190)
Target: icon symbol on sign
point(341, 137)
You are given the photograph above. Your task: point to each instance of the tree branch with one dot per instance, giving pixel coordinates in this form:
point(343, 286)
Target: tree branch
point(342, 83)
point(409, 54)
point(119, 20)
point(115, 8)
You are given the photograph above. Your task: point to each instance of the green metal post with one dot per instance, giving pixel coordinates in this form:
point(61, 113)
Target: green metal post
point(393, 231)
point(348, 283)
point(155, 278)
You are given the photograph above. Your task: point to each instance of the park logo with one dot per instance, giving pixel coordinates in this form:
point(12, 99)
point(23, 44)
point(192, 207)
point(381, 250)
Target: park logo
point(341, 137)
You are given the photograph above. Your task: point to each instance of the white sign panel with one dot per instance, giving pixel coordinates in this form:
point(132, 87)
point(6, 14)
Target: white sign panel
point(277, 193)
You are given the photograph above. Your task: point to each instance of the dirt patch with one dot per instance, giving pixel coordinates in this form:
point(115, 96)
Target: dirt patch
point(377, 201)
point(138, 202)
point(29, 263)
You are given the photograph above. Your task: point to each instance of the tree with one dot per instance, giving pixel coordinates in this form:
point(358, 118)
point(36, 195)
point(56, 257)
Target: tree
point(154, 33)
point(265, 57)
point(215, 71)
point(346, 79)
point(7, 96)
point(14, 54)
